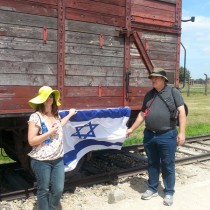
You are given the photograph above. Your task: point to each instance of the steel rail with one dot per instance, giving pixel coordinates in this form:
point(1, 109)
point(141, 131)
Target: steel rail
point(111, 176)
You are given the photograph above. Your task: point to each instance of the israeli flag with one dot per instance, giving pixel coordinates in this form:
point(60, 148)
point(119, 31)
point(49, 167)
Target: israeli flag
point(90, 130)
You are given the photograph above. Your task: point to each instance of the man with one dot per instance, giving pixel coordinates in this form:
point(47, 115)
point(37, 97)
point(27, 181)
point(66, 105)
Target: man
point(160, 134)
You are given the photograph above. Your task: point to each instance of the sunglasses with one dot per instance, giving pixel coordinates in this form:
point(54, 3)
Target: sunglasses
point(51, 95)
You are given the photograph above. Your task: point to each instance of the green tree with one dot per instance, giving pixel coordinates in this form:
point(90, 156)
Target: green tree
point(183, 75)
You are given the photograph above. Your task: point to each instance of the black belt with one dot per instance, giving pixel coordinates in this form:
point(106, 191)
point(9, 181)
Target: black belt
point(160, 131)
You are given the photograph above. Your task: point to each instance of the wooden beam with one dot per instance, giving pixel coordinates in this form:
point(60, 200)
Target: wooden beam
point(143, 53)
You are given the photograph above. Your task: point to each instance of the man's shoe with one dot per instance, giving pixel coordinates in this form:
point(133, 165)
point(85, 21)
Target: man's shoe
point(148, 195)
point(168, 200)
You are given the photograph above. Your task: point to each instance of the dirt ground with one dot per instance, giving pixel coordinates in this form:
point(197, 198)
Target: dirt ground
point(192, 193)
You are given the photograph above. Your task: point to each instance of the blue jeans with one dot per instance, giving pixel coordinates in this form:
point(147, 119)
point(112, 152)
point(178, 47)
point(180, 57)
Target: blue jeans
point(50, 182)
point(160, 150)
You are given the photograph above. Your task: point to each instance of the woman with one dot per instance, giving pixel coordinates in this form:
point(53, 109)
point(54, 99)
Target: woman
point(46, 138)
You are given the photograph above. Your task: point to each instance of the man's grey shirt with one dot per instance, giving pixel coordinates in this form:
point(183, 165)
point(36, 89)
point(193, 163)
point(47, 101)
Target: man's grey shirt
point(158, 117)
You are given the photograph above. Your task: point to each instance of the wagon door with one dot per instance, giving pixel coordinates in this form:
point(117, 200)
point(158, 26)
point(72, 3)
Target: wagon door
point(152, 40)
point(94, 54)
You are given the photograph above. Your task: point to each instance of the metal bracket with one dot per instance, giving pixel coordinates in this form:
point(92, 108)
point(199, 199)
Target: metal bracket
point(99, 90)
point(44, 30)
point(127, 81)
point(146, 45)
point(3, 33)
point(101, 40)
point(125, 31)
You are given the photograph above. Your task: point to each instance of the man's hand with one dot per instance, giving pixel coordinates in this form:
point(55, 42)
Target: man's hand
point(129, 132)
point(180, 139)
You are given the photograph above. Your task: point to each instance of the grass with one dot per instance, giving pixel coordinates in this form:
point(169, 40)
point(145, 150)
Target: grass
point(4, 158)
point(198, 119)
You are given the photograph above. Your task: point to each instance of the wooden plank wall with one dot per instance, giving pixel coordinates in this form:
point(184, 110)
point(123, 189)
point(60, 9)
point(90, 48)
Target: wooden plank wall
point(25, 61)
point(156, 22)
point(106, 12)
point(160, 13)
point(160, 40)
point(94, 74)
point(161, 48)
point(33, 63)
point(84, 57)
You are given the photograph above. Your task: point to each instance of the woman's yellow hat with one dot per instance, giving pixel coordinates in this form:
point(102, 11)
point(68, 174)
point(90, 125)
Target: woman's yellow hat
point(43, 95)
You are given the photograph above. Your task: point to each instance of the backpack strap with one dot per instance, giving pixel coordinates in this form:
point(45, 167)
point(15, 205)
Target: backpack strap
point(41, 122)
point(173, 112)
point(44, 129)
point(39, 117)
point(172, 93)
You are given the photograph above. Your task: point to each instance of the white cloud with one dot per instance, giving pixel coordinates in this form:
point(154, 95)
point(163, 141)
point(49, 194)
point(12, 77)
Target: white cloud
point(201, 23)
point(206, 50)
point(197, 35)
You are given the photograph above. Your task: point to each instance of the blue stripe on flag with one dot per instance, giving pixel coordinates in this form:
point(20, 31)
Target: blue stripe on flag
point(85, 115)
point(72, 155)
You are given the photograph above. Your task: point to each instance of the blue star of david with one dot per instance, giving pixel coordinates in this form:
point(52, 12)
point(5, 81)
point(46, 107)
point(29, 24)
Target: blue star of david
point(87, 129)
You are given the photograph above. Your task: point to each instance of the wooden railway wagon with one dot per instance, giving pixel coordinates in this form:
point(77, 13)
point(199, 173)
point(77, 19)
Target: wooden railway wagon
point(97, 53)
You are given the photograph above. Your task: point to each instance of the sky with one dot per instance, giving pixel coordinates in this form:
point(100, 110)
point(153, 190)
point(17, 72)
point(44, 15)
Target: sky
point(196, 38)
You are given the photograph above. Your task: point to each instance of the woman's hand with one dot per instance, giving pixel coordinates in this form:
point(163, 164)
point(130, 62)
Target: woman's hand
point(67, 117)
point(72, 111)
point(53, 129)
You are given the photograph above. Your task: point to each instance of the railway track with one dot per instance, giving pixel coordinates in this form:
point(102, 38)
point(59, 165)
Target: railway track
point(102, 166)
